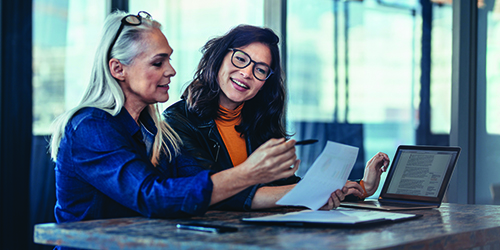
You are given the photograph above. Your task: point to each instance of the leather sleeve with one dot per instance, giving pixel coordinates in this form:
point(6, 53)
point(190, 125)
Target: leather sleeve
point(192, 139)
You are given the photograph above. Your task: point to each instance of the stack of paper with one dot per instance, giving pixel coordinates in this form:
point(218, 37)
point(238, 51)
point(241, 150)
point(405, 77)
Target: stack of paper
point(333, 217)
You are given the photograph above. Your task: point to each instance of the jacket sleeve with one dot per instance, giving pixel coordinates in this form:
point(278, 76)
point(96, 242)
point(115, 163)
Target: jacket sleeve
point(241, 201)
point(113, 166)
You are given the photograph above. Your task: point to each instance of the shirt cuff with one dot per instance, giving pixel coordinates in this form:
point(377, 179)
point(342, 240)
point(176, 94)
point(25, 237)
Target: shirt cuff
point(365, 194)
point(241, 201)
point(198, 199)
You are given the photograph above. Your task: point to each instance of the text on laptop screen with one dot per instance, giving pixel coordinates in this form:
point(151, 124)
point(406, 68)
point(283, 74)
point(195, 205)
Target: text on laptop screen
point(420, 172)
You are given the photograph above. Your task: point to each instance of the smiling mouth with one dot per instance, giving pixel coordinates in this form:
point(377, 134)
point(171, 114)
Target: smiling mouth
point(163, 86)
point(240, 83)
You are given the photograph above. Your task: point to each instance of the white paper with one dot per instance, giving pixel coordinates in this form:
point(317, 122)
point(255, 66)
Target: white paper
point(328, 173)
point(338, 216)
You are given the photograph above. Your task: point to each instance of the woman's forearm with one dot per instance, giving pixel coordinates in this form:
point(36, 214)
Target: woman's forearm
point(266, 197)
point(270, 162)
point(228, 183)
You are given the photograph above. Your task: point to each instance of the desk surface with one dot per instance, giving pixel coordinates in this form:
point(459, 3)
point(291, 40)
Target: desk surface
point(452, 226)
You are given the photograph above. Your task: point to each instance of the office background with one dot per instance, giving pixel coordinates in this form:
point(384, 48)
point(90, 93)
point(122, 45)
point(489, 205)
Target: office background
point(372, 73)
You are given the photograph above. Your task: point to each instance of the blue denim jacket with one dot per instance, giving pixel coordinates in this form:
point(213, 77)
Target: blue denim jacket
point(103, 171)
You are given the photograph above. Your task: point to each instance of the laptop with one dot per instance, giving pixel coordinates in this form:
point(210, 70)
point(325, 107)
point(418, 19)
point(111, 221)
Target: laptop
point(417, 179)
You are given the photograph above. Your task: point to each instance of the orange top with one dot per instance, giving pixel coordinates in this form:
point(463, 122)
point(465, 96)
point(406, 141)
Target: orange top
point(235, 143)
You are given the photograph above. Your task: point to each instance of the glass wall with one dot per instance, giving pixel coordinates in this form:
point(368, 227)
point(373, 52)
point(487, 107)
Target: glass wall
point(441, 66)
point(353, 67)
point(492, 28)
point(488, 105)
point(64, 43)
point(355, 74)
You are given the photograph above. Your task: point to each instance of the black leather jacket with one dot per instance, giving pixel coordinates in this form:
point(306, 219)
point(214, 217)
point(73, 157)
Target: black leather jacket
point(202, 140)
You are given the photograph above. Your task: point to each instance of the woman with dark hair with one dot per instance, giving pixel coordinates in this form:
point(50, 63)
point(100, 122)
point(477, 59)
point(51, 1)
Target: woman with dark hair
point(234, 108)
point(263, 110)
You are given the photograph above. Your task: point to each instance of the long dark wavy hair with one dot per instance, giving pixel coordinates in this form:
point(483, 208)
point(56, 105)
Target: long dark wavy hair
point(262, 115)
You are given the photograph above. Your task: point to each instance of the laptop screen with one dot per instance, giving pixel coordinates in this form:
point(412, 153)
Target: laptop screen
point(420, 173)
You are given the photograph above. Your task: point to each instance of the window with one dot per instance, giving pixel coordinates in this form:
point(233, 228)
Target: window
point(355, 63)
point(64, 43)
point(355, 67)
point(440, 88)
point(488, 104)
point(492, 69)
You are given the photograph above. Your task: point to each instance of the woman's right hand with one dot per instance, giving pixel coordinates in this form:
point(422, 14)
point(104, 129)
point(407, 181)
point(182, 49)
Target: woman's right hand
point(273, 160)
point(335, 198)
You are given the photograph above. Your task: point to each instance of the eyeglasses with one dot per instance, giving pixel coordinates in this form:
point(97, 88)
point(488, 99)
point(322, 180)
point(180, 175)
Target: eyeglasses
point(133, 20)
point(241, 60)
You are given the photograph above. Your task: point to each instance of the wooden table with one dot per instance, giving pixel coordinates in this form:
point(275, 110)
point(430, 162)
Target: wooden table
point(452, 226)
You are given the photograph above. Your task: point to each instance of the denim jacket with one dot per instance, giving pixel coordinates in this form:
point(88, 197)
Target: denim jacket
point(103, 170)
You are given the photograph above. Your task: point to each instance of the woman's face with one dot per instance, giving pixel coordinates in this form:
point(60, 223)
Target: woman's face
point(148, 76)
point(240, 85)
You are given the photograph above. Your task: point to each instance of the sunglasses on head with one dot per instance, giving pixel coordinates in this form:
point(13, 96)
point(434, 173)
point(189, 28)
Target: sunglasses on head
point(132, 20)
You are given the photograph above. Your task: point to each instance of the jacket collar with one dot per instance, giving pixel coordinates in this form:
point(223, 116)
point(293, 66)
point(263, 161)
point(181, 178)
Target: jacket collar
point(131, 126)
point(209, 126)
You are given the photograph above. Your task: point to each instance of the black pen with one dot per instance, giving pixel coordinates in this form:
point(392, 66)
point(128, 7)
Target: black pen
point(306, 142)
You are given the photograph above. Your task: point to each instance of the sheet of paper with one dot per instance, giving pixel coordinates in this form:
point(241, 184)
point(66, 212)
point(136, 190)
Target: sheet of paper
point(338, 216)
point(328, 173)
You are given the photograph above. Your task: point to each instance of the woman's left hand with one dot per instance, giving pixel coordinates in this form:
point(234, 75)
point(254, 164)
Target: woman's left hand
point(374, 169)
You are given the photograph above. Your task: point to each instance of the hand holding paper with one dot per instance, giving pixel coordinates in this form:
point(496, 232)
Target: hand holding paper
point(328, 173)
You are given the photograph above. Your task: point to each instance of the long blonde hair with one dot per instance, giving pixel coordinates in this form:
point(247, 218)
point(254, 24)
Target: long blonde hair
point(105, 93)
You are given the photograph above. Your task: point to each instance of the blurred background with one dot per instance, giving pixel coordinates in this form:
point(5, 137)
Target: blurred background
point(374, 74)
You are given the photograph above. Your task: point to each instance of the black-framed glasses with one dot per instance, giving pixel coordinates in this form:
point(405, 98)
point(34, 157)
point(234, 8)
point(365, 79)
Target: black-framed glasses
point(241, 60)
point(132, 20)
